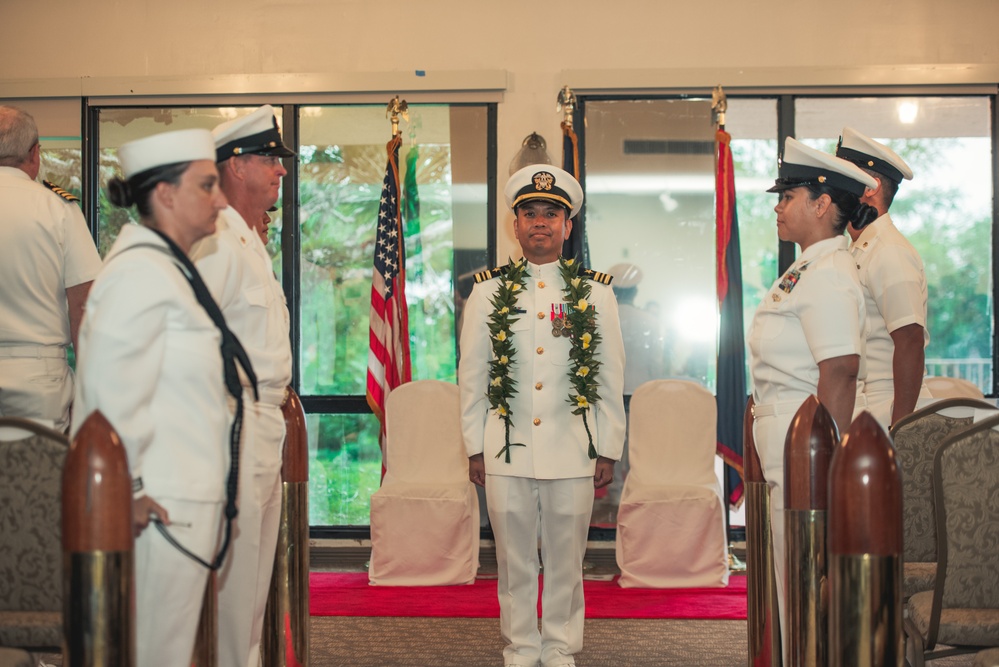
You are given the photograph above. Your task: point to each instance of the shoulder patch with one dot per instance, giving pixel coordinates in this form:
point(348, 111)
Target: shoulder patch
point(59, 191)
point(603, 278)
point(482, 276)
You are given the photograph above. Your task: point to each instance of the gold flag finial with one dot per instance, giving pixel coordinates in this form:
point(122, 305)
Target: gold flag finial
point(719, 105)
point(396, 108)
point(566, 104)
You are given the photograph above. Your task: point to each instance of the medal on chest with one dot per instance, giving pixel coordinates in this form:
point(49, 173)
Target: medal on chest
point(561, 328)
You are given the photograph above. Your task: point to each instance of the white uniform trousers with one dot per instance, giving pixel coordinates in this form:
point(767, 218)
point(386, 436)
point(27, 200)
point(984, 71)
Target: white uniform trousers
point(36, 386)
point(563, 506)
point(170, 586)
point(244, 580)
point(770, 432)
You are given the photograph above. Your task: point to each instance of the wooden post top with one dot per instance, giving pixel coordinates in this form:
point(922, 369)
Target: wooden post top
point(296, 442)
point(808, 451)
point(865, 493)
point(96, 490)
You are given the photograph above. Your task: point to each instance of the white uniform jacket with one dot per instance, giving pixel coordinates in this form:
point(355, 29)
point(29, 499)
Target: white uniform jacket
point(895, 294)
point(150, 361)
point(45, 248)
point(814, 312)
point(555, 440)
point(238, 271)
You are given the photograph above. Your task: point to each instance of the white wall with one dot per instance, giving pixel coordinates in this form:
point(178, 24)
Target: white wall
point(588, 44)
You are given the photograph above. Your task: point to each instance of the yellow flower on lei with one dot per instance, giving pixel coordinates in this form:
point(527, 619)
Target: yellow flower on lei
point(586, 338)
point(582, 402)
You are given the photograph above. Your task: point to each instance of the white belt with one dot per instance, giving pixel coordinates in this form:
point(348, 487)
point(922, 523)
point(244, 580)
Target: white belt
point(32, 352)
point(269, 395)
point(771, 409)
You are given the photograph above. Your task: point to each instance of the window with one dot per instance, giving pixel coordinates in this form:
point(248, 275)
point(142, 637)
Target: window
point(444, 174)
point(945, 210)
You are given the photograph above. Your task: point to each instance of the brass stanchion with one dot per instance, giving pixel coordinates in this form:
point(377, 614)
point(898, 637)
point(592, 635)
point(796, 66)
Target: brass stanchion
point(285, 640)
point(807, 454)
point(762, 626)
point(865, 550)
point(206, 641)
point(98, 550)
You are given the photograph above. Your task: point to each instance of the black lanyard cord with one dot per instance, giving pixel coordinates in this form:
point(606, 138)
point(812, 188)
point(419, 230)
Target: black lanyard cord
point(232, 353)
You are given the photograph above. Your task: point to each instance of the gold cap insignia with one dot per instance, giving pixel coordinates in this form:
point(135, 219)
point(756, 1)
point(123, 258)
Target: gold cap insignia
point(543, 181)
point(822, 179)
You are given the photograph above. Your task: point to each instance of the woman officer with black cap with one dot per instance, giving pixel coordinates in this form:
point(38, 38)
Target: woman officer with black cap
point(807, 336)
point(150, 361)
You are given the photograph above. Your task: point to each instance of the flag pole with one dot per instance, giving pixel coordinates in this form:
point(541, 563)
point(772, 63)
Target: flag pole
point(575, 245)
point(396, 108)
point(719, 107)
point(388, 354)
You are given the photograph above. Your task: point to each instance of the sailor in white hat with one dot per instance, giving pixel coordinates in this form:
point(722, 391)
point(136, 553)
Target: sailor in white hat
point(807, 336)
point(239, 271)
point(894, 281)
point(150, 361)
point(548, 467)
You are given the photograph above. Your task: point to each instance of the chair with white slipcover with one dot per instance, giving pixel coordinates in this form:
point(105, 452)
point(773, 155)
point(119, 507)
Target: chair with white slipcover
point(670, 522)
point(425, 516)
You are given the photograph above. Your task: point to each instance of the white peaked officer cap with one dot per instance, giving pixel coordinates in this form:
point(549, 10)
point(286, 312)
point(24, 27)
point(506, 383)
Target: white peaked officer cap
point(159, 150)
point(625, 274)
point(543, 181)
point(865, 152)
point(802, 165)
point(256, 133)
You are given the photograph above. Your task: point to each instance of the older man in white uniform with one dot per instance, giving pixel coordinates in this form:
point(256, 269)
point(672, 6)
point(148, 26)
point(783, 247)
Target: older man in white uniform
point(895, 293)
point(549, 468)
point(47, 264)
point(237, 269)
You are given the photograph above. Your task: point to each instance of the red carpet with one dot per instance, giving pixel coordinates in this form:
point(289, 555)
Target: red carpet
point(348, 594)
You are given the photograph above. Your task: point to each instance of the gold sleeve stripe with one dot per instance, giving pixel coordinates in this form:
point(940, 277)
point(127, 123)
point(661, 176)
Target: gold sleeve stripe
point(59, 191)
point(482, 276)
point(603, 278)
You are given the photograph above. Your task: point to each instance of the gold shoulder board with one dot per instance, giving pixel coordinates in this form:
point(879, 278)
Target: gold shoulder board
point(59, 191)
point(603, 278)
point(482, 276)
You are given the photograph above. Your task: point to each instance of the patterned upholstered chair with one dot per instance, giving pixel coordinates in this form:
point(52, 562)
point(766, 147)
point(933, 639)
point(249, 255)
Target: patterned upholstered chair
point(962, 611)
point(31, 461)
point(917, 438)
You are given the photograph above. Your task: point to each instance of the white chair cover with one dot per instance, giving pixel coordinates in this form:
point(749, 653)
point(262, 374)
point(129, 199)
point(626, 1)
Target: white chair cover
point(670, 523)
point(946, 387)
point(425, 516)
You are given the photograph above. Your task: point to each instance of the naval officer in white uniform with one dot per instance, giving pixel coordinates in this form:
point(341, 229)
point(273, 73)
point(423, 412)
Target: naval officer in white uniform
point(238, 270)
point(558, 450)
point(807, 336)
point(894, 281)
point(48, 262)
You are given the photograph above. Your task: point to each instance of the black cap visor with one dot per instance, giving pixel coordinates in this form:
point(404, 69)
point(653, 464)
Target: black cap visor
point(796, 176)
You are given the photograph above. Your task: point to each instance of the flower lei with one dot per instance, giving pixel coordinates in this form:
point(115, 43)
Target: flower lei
point(583, 367)
point(502, 386)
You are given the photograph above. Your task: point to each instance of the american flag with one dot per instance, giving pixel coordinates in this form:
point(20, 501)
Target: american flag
point(388, 356)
